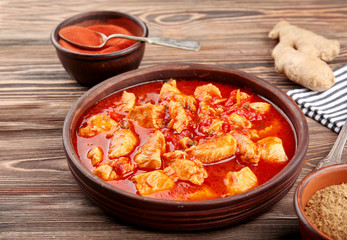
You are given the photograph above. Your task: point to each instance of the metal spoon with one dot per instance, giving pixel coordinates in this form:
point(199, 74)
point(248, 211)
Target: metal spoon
point(334, 156)
point(169, 42)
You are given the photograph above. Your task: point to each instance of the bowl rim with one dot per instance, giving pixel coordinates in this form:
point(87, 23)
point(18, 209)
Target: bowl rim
point(119, 53)
point(249, 195)
point(298, 193)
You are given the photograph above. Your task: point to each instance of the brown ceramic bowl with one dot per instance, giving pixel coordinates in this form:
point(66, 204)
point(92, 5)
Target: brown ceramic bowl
point(316, 180)
point(90, 69)
point(186, 215)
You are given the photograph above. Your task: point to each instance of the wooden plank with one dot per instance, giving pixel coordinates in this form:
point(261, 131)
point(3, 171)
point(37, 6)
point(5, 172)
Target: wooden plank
point(39, 199)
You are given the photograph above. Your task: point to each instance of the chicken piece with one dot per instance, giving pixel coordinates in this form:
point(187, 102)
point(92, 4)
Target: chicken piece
point(122, 143)
point(122, 166)
point(248, 150)
point(241, 181)
point(258, 134)
point(128, 101)
point(207, 92)
point(206, 110)
point(236, 97)
point(97, 124)
point(214, 128)
point(214, 149)
point(148, 115)
point(261, 107)
point(203, 194)
point(114, 169)
point(152, 182)
point(271, 150)
point(184, 169)
point(170, 92)
point(209, 114)
point(239, 121)
point(179, 119)
point(96, 155)
point(178, 154)
point(105, 172)
point(149, 155)
point(270, 130)
point(113, 129)
point(186, 142)
point(241, 96)
point(168, 89)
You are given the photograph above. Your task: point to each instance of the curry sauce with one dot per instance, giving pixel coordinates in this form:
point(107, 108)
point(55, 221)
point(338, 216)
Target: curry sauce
point(185, 140)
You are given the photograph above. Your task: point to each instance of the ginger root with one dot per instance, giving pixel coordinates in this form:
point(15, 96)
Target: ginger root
point(302, 55)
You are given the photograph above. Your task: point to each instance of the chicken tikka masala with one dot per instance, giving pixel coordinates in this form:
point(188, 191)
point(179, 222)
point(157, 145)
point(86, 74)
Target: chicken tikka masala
point(185, 140)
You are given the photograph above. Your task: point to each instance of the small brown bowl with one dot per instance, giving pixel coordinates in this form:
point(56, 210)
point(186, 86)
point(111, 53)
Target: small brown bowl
point(186, 215)
point(90, 69)
point(316, 180)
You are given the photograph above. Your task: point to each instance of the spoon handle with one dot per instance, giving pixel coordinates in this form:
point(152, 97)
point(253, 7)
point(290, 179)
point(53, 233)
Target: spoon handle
point(169, 42)
point(334, 156)
point(177, 43)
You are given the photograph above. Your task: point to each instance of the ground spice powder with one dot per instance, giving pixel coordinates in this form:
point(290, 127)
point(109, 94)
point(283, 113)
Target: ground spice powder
point(85, 36)
point(327, 210)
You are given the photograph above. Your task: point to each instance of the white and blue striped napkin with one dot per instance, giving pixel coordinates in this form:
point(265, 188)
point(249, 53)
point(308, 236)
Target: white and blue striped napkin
point(329, 107)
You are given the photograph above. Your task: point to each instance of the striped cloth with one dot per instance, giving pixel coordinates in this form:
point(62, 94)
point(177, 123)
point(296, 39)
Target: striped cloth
point(329, 107)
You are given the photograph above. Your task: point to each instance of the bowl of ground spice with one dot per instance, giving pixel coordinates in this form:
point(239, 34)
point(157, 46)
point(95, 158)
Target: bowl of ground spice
point(180, 204)
point(91, 66)
point(320, 203)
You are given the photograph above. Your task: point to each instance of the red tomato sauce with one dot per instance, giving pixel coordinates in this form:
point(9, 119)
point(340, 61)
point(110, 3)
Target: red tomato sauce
point(216, 171)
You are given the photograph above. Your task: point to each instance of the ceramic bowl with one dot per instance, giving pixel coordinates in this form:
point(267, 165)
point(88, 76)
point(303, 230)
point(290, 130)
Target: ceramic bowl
point(316, 180)
point(90, 69)
point(186, 215)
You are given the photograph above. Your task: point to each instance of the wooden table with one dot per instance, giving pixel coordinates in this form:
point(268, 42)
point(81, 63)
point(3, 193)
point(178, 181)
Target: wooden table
point(38, 197)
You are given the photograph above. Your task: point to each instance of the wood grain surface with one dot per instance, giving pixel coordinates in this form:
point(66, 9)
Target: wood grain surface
point(38, 197)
